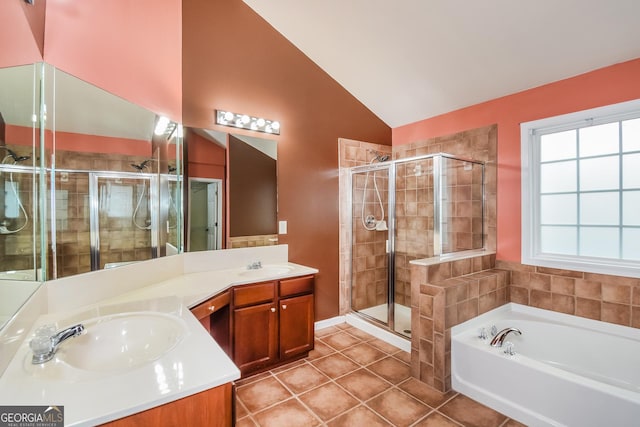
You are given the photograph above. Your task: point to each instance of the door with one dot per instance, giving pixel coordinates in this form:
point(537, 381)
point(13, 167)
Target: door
point(252, 347)
point(296, 326)
point(370, 242)
point(205, 214)
point(123, 221)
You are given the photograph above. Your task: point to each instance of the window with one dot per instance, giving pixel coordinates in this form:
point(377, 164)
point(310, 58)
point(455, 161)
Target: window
point(581, 191)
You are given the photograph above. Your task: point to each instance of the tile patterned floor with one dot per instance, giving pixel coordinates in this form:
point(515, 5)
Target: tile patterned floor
point(354, 379)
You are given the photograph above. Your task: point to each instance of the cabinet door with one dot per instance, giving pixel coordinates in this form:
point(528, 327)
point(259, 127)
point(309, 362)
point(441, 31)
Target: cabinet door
point(296, 326)
point(255, 334)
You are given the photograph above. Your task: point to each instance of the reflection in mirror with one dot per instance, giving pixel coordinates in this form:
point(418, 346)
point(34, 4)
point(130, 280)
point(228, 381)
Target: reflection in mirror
point(112, 167)
point(20, 249)
point(253, 200)
point(18, 173)
point(87, 180)
point(232, 198)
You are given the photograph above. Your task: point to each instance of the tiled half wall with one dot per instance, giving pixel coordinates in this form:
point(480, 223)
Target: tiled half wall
point(447, 294)
point(444, 295)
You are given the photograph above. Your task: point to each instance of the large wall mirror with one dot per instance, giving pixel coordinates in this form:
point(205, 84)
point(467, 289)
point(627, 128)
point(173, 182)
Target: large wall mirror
point(87, 181)
point(232, 200)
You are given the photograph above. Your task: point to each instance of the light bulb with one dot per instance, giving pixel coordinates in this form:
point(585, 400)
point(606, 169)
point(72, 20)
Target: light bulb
point(275, 125)
point(260, 122)
point(228, 116)
point(161, 126)
point(245, 119)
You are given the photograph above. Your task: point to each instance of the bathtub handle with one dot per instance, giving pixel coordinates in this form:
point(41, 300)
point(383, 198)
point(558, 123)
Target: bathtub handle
point(498, 340)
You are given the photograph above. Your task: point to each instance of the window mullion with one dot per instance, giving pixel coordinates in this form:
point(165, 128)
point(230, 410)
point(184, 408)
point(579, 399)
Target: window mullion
point(578, 193)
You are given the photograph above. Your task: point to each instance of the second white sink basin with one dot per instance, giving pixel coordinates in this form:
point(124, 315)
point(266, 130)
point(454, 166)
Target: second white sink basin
point(267, 270)
point(121, 342)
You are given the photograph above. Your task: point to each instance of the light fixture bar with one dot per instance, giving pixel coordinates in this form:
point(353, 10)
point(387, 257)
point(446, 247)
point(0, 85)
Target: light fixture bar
point(244, 121)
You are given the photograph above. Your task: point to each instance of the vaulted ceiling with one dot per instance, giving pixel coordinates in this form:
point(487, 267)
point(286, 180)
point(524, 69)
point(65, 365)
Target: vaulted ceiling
point(408, 60)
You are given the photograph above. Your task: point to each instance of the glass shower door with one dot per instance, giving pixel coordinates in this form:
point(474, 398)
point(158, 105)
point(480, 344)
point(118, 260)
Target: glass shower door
point(370, 243)
point(123, 218)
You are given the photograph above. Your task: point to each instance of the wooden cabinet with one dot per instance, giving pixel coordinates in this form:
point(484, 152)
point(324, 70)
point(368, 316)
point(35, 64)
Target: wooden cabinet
point(213, 407)
point(296, 316)
point(296, 326)
point(261, 325)
point(215, 315)
point(272, 323)
point(255, 326)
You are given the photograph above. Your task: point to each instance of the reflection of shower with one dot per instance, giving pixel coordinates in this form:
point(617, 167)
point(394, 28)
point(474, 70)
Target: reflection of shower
point(370, 222)
point(16, 159)
point(140, 168)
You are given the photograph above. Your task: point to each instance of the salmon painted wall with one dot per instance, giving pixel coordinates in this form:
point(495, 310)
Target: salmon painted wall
point(206, 159)
point(83, 143)
point(610, 85)
point(233, 59)
point(132, 49)
point(21, 32)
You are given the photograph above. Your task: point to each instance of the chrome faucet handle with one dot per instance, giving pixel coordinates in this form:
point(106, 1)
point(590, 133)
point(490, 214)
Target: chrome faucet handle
point(509, 348)
point(42, 348)
point(256, 265)
point(482, 333)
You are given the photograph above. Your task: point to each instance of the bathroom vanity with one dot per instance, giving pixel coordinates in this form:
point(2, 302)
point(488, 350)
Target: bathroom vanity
point(264, 324)
point(257, 319)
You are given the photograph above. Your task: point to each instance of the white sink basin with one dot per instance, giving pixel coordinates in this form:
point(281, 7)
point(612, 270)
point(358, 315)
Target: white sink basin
point(122, 341)
point(267, 271)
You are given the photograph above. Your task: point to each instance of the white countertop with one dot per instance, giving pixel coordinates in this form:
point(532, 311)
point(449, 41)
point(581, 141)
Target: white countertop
point(195, 364)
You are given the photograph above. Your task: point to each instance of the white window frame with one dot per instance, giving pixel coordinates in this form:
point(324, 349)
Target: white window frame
point(530, 167)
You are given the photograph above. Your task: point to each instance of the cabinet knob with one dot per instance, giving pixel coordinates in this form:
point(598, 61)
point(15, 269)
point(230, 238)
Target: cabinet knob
point(273, 309)
point(212, 308)
point(284, 306)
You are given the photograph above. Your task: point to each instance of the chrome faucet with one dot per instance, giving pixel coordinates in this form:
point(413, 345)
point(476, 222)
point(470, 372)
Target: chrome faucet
point(498, 340)
point(256, 265)
point(44, 347)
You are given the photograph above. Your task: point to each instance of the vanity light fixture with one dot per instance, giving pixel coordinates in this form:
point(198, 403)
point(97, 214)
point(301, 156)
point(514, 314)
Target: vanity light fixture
point(244, 121)
point(164, 126)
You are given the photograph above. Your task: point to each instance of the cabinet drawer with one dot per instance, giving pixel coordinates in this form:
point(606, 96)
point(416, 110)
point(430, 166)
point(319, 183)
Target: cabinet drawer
point(211, 306)
point(296, 286)
point(253, 294)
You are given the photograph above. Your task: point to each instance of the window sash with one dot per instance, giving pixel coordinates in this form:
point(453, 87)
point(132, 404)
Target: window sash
point(531, 135)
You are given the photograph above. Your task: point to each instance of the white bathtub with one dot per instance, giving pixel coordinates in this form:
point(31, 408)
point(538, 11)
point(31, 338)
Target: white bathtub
point(567, 370)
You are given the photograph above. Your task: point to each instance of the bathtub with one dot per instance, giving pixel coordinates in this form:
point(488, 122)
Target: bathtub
point(566, 370)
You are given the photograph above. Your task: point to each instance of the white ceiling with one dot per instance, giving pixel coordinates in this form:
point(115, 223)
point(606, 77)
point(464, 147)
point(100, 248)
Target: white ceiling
point(408, 60)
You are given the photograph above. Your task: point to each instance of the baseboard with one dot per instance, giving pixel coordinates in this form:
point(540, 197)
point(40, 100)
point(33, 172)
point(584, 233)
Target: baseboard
point(386, 336)
point(357, 322)
point(321, 324)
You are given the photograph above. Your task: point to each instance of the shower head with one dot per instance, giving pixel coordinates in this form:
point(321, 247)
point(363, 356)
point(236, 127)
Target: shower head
point(16, 158)
point(378, 157)
point(142, 166)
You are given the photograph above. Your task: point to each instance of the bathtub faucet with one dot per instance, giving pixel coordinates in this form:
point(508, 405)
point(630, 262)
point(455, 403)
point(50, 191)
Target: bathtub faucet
point(498, 340)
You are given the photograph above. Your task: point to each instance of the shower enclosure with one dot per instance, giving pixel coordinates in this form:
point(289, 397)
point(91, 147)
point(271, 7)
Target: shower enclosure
point(18, 219)
point(403, 210)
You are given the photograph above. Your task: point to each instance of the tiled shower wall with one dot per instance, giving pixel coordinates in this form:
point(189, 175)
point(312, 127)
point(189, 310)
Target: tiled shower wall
point(122, 241)
point(370, 262)
point(17, 249)
point(414, 201)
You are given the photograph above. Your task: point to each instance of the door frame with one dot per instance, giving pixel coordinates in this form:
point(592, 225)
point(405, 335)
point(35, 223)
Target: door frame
point(219, 202)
